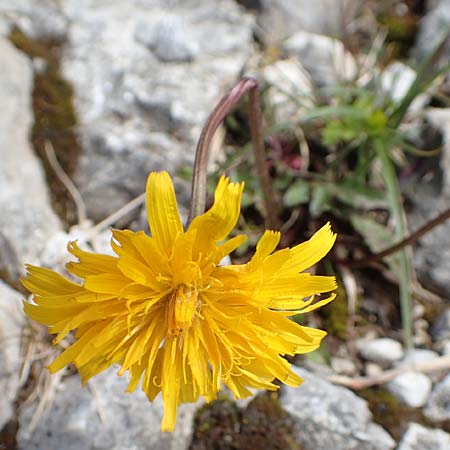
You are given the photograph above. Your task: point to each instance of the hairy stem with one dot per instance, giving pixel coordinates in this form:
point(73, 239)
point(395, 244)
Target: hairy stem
point(226, 103)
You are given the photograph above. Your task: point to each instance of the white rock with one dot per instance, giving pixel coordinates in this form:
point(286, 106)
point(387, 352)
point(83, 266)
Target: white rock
point(417, 437)
point(411, 388)
point(11, 324)
point(323, 57)
point(290, 90)
point(396, 80)
point(419, 356)
point(381, 351)
point(438, 407)
point(27, 220)
point(278, 19)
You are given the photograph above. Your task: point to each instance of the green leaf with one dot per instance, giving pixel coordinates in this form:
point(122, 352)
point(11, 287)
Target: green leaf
point(358, 195)
point(320, 200)
point(297, 194)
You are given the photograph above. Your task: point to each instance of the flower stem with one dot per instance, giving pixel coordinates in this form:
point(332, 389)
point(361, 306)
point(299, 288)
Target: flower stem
point(226, 103)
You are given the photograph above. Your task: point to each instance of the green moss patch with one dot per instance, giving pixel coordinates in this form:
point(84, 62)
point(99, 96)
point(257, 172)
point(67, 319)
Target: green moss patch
point(222, 425)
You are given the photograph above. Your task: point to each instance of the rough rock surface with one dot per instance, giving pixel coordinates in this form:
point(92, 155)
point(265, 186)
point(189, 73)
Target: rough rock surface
point(332, 417)
point(418, 437)
point(432, 252)
point(278, 19)
point(27, 219)
point(109, 420)
point(440, 329)
point(11, 322)
point(146, 74)
point(438, 407)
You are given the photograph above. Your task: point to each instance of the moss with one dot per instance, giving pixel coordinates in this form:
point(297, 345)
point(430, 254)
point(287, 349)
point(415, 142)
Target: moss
point(222, 425)
point(335, 314)
point(54, 116)
point(393, 415)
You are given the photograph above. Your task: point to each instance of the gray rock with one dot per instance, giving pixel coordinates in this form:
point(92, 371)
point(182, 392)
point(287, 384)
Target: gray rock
point(418, 437)
point(323, 57)
point(279, 19)
point(440, 330)
point(381, 351)
point(436, 20)
point(329, 416)
point(11, 323)
point(411, 388)
point(440, 119)
point(102, 416)
point(438, 407)
point(143, 93)
point(27, 219)
point(432, 252)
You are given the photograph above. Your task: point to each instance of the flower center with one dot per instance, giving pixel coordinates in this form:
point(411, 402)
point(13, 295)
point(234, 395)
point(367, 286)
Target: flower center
point(184, 304)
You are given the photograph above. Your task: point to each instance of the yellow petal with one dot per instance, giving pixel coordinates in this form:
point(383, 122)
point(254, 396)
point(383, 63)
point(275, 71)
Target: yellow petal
point(89, 263)
point(217, 222)
point(42, 281)
point(310, 252)
point(265, 246)
point(162, 210)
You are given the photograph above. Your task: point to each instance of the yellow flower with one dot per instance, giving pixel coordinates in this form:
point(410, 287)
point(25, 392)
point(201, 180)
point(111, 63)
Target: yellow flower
point(167, 312)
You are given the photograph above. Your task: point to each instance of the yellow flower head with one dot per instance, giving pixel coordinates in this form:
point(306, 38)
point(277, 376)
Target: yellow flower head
point(169, 314)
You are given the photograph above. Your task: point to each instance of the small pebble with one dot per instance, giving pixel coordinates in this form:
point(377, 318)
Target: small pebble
point(411, 388)
point(382, 351)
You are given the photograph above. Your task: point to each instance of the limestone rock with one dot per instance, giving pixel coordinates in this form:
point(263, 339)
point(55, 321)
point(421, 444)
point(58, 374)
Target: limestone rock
point(27, 219)
point(109, 420)
point(330, 416)
point(11, 323)
point(146, 75)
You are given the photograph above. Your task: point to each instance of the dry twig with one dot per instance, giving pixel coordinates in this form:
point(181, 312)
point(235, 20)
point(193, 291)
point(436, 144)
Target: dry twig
point(441, 363)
